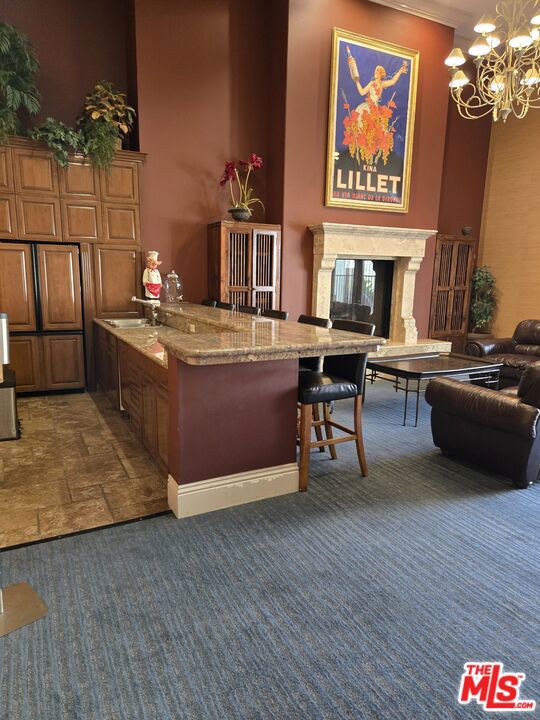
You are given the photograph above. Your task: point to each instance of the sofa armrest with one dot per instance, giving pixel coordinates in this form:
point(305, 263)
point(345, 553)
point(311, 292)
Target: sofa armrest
point(481, 348)
point(483, 406)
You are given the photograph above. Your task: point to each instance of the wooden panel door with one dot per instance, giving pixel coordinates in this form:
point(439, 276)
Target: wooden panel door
point(81, 221)
point(39, 218)
point(17, 286)
point(121, 224)
point(8, 217)
point(63, 361)
point(118, 279)
point(6, 171)
point(454, 262)
point(59, 287)
point(162, 425)
point(266, 259)
point(25, 361)
point(121, 184)
point(239, 266)
point(79, 180)
point(149, 434)
point(35, 172)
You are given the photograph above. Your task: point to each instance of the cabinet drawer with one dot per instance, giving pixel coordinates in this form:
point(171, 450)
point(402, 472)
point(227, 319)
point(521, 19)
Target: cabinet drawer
point(64, 361)
point(8, 217)
point(25, 361)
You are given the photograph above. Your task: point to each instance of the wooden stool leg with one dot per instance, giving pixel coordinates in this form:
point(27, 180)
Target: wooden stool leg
point(329, 431)
point(359, 438)
point(305, 445)
point(318, 429)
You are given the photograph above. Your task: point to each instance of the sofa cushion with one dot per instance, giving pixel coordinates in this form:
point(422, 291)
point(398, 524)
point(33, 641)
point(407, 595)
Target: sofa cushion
point(528, 350)
point(527, 333)
point(513, 364)
point(529, 386)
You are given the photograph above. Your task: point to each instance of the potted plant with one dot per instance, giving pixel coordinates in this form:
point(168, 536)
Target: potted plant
point(483, 302)
point(18, 90)
point(239, 174)
point(106, 117)
point(61, 139)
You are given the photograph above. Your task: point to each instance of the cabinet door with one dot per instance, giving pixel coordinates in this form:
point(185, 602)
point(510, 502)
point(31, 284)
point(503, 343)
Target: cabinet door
point(39, 218)
point(6, 171)
point(17, 286)
point(25, 361)
point(148, 414)
point(59, 287)
point(118, 279)
point(63, 361)
point(35, 172)
point(81, 221)
point(239, 259)
point(162, 424)
point(8, 217)
point(265, 269)
point(80, 180)
point(121, 223)
point(121, 185)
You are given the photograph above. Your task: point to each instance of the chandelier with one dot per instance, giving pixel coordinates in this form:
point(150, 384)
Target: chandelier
point(506, 53)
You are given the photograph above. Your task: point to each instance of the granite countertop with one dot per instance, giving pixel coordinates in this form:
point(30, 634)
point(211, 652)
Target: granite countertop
point(144, 339)
point(209, 336)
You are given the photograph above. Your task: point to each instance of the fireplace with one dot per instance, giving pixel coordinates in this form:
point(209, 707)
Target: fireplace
point(403, 247)
point(362, 290)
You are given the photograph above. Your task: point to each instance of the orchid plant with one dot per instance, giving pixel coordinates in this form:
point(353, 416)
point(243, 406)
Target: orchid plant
point(233, 174)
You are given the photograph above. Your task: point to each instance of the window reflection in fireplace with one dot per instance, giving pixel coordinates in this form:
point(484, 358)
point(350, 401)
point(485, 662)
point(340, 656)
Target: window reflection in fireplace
point(362, 290)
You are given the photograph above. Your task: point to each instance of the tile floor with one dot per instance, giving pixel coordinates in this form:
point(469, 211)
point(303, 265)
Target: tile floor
point(77, 466)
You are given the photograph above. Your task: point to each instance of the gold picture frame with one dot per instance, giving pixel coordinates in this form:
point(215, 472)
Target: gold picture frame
point(369, 151)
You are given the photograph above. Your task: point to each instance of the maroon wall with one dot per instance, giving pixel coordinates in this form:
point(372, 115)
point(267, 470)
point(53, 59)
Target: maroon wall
point(202, 100)
point(308, 73)
point(78, 43)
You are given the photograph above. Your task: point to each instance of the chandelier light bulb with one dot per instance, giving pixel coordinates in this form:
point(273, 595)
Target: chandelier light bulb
point(497, 84)
point(459, 80)
point(521, 39)
point(456, 58)
point(493, 40)
point(535, 20)
point(486, 24)
point(532, 77)
point(535, 34)
point(481, 47)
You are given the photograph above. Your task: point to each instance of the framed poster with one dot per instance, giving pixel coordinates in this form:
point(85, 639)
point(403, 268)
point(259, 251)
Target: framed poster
point(371, 123)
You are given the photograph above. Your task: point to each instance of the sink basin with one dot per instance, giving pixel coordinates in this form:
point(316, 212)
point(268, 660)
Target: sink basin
point(129, 322)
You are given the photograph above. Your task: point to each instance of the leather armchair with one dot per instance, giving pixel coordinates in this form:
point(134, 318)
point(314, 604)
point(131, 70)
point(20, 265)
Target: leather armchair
point(500, 431)
point(516, 353)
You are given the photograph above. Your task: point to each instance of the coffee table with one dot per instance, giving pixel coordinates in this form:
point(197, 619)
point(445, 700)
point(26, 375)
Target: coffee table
point(417, 368)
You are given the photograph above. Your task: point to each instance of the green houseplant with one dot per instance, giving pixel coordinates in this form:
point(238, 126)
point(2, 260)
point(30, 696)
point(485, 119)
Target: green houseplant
point(61, 139)
point(105, 118)
point(483, 300)
point(18, 90)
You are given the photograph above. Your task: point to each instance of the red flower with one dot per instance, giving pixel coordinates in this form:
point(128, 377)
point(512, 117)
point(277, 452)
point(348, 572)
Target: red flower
point(255, 161)
point(228, 173)
point(346, 106)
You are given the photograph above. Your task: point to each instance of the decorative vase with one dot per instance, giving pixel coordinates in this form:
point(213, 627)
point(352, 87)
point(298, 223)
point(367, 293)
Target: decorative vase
point(240, 214)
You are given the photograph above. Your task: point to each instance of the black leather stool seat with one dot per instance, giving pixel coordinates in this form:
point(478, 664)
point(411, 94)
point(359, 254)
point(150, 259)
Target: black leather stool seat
point(318, 387)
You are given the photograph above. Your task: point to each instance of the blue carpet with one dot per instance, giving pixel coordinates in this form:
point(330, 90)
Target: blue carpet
point(360, 599)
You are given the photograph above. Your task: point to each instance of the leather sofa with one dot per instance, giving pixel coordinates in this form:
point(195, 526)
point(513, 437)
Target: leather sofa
point(498, 430)
point(516, 353)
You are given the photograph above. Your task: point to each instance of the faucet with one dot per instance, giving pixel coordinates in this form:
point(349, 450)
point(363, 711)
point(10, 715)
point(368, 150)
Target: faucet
point(153, 305)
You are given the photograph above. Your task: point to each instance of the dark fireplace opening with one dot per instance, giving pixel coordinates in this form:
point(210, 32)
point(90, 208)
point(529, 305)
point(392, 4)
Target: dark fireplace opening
point(362, 290)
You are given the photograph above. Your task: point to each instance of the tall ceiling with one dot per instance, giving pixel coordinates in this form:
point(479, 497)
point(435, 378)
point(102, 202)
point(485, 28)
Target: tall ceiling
point(459, 14)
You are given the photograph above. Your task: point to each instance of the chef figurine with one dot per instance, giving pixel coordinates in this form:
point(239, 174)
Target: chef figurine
point(151, 276)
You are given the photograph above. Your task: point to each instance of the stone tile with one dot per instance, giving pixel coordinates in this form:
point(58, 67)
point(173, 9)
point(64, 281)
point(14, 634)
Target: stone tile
point(91, 492)
point(130, 448)
point(139, 509)
point(93, 470)
point(74, 517)
point(25, 476)
point(35, 496)
point(141, 489)
point(15, 519)
point(138, 466)
point(18, 536)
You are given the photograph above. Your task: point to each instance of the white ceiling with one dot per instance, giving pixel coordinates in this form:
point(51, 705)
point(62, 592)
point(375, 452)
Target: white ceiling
point(459, 14)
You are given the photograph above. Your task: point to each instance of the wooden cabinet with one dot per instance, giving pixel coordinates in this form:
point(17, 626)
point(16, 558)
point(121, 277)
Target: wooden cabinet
point(121, 224)
point(63, 361)
point(6, 171)
point(244, 261)
point(35, 172)
point(25, 361)
point(59, 287)
point(81, 221)
point(118, 278)
point(121, 185)
point(38, 218)
point(80, 180)
point(162, 423)
point(17, 286)
point(8, 217)
point(106, 359)
point(450, 300)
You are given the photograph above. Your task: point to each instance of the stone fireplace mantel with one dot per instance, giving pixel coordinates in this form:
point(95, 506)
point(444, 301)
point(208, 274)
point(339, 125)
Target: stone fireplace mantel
point(405, 246)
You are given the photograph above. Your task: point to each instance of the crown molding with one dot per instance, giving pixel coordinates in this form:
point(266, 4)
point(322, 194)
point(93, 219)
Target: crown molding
point(430, 10)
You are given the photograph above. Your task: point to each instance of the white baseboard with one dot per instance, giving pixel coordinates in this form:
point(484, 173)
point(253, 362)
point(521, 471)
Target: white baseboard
point(223, 492)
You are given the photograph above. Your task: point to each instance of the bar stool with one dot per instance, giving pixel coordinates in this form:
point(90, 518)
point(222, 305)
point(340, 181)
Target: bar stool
point(225, 305)
point(343, 377)
point(250, 309)
point(210, 303)
point(314, 363)
point(275, 314)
